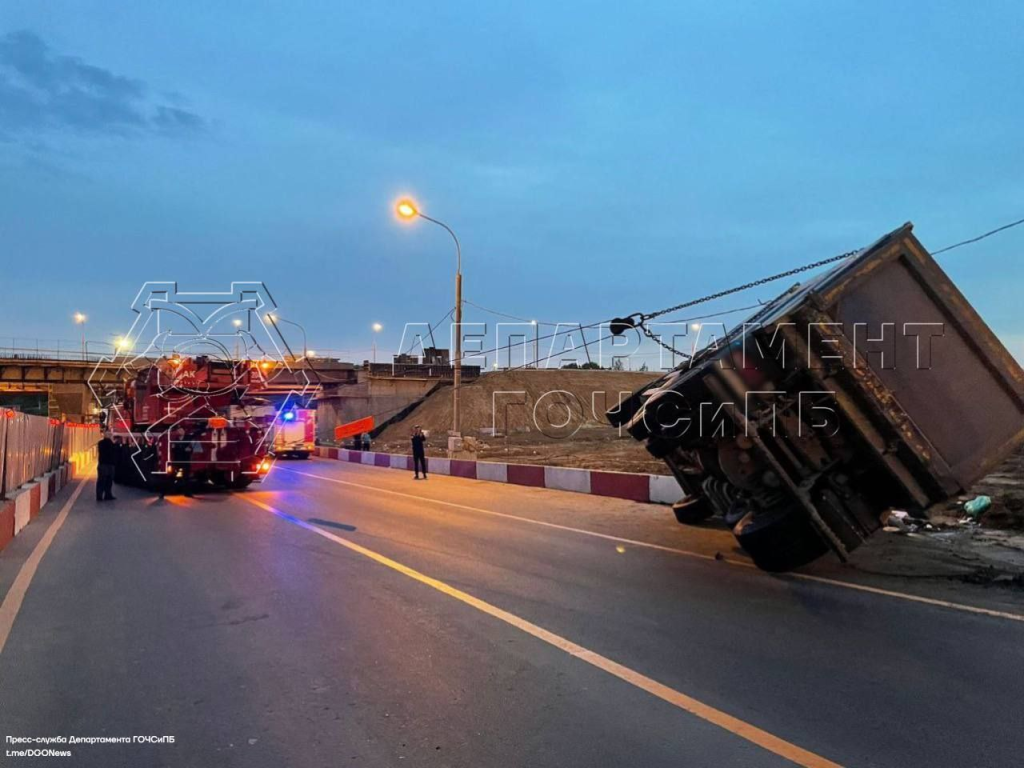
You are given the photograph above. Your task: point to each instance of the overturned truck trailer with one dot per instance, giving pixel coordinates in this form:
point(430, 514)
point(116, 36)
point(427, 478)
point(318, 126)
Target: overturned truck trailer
point(875, 385)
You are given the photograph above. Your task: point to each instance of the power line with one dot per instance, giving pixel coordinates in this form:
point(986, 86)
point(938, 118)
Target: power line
point(997, 230)
point(638, 319)
point(430, 332)
point(512, 317)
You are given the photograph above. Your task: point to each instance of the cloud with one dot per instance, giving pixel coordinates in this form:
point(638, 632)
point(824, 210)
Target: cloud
point(41, 90)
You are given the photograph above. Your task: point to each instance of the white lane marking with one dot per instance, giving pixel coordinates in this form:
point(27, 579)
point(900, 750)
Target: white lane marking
point(16, 594)
point(717, 717)
point(687, 553)
point(481, 511)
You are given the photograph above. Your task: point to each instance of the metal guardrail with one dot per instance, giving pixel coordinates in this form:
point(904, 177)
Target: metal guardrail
point(30, 446)
point(16, 348)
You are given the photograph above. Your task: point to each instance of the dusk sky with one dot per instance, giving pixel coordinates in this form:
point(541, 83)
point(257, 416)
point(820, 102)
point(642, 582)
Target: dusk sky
point(596, 159)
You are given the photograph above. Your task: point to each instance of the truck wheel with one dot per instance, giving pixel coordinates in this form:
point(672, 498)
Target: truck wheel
point(692, 510)
point(780, 540)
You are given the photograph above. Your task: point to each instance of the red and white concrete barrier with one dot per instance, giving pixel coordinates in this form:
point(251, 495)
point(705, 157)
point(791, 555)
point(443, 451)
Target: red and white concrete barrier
point(657, 489)
point(25, 503)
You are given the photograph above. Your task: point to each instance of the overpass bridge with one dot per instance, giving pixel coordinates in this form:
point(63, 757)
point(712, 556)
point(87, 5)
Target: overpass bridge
point(56, 383)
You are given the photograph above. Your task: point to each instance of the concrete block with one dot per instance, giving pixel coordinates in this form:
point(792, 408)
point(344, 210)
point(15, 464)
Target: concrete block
point(400, 461)
point(567, 479)
point(22, 510)
point(369, 458)
point(33, 491)
point(6, 522)
point(492, 470)
point(526, 474)
point(621, 485)
point(44, 490)
point(463, 468)
point(438, 466)
point(665, 490)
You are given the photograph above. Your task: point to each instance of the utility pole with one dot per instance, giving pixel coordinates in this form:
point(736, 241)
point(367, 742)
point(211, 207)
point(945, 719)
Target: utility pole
point(457, 372)
point(80, 320)
point(408, 210)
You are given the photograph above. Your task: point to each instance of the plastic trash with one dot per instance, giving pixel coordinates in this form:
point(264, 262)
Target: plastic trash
point(977, 505)
point(899, 522)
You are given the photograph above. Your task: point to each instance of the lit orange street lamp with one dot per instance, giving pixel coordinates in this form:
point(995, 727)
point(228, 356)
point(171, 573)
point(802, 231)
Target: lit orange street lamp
point(407, 210)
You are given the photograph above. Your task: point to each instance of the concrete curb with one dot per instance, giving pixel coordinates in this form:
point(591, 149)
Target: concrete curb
point(25, 503)
point(653, 489)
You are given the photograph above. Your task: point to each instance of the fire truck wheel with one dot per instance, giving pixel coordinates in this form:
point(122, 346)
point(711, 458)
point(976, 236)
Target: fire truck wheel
point(693, 510)
point(779, 540)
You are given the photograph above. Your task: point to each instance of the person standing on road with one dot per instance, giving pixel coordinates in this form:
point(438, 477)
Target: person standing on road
point(419, 453)
point(106, 461)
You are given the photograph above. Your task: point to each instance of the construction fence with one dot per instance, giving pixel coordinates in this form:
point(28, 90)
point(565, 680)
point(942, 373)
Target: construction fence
point(31, 446)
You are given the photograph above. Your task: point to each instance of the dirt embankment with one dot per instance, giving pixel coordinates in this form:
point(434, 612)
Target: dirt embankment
point(1005, 487)
point(553, 417)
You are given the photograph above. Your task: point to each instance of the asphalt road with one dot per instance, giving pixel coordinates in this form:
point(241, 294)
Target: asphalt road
point(347, 615)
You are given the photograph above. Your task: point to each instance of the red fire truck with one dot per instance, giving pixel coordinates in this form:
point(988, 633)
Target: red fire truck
point(191, 417)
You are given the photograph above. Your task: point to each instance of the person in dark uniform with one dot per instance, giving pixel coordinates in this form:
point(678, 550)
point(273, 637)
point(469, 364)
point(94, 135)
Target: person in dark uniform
point(419, 453)
point(149, 457)
point(119, 461)
point(106, 460)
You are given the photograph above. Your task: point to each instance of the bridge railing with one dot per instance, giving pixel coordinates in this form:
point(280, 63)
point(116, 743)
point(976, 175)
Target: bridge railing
point(15, 348)
point(30, 446)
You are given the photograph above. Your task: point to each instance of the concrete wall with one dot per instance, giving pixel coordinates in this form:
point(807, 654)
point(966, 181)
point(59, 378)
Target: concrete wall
point(371, 396)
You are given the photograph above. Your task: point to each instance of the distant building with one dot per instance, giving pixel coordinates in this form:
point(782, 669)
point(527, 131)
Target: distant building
point(431, 356)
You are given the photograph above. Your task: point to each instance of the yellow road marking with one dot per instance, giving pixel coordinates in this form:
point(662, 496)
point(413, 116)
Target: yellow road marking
point(733, 725)
point(688, 553)
point(16, 594)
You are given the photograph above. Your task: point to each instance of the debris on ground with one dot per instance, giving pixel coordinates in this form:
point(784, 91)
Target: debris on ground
point(977, 505)
point(899, 521)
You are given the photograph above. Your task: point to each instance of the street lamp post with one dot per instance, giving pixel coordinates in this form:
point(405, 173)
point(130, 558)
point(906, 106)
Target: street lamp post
point(238, 325)
point(536, 344)
point(275, 319)
point(80, 320)
point(408, 210)
point(377, 328)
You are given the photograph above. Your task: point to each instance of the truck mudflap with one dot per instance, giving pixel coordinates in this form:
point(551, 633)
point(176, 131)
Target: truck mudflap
point(874, 385)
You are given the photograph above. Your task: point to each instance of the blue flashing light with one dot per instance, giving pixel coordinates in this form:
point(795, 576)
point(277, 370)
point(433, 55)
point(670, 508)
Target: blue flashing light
point(289, 415)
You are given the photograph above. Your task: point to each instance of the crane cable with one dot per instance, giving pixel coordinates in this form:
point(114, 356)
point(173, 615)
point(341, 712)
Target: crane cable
point(640, 319)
